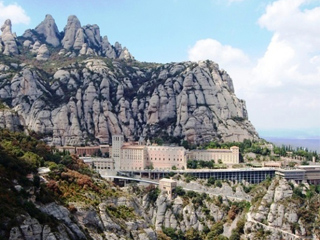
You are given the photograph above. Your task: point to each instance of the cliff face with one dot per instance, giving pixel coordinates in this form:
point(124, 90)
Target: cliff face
point(284, 210)
point(74, 98)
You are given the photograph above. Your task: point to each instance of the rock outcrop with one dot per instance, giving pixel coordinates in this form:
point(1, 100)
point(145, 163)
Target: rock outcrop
point(191, 101)
point(10, 120)
point(43, 53)
point(279, 214)
point(74, 102)
point(8, 40)
point(49, 30)
point(70, 32)
point(76, 40)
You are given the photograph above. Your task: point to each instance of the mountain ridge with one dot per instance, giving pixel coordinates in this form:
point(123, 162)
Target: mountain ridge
point(76, 89)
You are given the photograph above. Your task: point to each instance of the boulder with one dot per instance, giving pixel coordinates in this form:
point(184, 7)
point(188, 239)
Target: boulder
point(43, 53)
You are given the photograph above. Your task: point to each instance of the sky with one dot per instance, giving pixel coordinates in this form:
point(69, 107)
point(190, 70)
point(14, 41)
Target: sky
point(271, 49)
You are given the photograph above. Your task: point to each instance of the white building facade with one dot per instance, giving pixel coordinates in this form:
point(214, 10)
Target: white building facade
point(137, 156)
point(225, 156)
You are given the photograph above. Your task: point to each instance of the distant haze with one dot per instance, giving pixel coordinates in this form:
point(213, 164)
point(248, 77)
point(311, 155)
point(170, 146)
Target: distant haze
point(310, 144)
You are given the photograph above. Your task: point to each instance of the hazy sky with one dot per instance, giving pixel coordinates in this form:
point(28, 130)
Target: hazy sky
point(271, 49)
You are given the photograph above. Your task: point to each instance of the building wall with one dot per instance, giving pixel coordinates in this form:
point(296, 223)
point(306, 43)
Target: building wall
point(102, 163)
point(168, 186)
point(87, 151)
point(70, 149)
point(165, 157)
point(227, 156)
point(133, 157)
point(117, 142)
point(104, 149)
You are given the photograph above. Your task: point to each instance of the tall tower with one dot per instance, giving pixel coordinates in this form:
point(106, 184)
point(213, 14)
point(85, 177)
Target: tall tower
point(117, 142)
point(235, 154)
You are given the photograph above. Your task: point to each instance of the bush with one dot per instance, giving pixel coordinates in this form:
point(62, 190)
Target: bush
point(170, 232)
point(216, 230)
point(180, 191)
point(121, 212)
point(211, 181)
point(218, 183)
point(153, 195)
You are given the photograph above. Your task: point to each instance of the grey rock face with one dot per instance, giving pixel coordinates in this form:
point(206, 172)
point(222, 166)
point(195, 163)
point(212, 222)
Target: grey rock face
point(76, 40)
point(10, 120)
point(8, 39)
point(70, 32)
point(31, 229)
point(50, 30)
point(107, 49)
point(43, 53)
point(61, 213)
point(184, 100)
point(93, 35)
point(276, 213)
point(80, 39)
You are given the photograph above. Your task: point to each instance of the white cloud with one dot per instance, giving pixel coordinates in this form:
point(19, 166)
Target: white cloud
point(233, 60)
point(15, 13)
point(222, 54)
point(283, 85)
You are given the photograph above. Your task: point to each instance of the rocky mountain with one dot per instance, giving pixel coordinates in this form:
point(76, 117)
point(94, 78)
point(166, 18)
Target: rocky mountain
point(284, 210)
point(67, 200)
point(75, 88)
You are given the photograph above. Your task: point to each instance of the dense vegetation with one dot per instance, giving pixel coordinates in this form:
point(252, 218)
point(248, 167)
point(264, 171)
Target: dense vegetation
point(70, 180)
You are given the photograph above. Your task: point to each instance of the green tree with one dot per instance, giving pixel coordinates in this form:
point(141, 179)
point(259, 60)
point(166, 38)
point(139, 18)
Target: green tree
point(192, 234)
point(216, 230)
point(170, 232)
point(180, 191)
point(32, 159)
point(211, 181)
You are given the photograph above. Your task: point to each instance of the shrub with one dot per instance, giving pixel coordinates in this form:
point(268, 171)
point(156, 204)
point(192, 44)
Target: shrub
point(218, 183)
point(179, 191)
point(153, 195)
point(121, 212)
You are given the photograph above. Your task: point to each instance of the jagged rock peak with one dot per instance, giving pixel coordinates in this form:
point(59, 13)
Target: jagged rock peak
point(6, 27)
point(70, 32)
point(50, 30)
point(8, 39)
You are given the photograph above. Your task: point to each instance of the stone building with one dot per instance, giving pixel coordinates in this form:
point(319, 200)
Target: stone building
point(166, 157)
point(167, 185)
point(84, 151)
point(87, 151)
point(226, 156)
point(70, 149)
point(115, 150)
point(138, 156)
point(129, 156)
point(102, 164)
point(133, 157)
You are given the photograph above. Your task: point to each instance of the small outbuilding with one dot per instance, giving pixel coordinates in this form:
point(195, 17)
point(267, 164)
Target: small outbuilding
point(167, 185)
